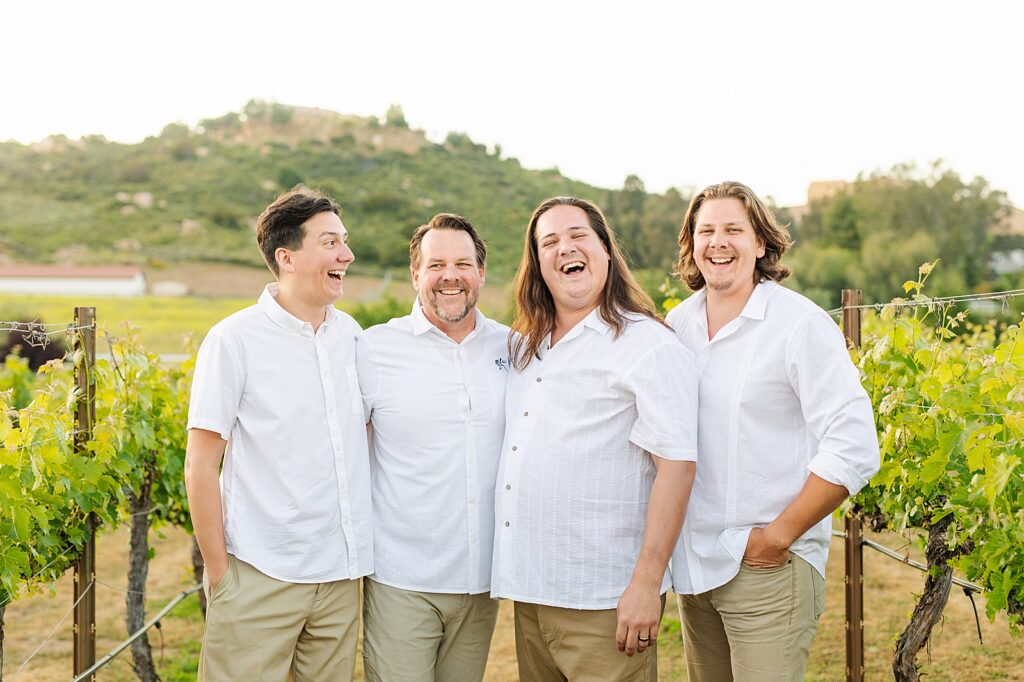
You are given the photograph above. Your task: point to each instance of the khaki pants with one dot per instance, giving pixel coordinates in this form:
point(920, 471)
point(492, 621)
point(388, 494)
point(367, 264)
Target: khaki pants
point(259, 628)
point(423, 636)
point(559, 645)
point(757, 627)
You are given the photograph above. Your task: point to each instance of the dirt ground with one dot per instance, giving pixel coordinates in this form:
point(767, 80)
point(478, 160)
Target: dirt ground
point(955, 653)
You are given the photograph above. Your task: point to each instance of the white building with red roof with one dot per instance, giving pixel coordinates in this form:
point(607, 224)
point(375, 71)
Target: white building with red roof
point(94, 280)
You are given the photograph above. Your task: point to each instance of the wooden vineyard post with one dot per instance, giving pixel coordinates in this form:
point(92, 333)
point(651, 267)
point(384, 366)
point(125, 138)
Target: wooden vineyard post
point(854, 533)
point(85, 565)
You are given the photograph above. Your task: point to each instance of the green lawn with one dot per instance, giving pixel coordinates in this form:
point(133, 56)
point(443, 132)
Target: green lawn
point(164, 323)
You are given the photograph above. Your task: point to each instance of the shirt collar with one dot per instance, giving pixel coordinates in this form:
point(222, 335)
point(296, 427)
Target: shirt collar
point(596, 322)
point(422, 325)
point(284, 319)
point(592, 321)
point(758, 301)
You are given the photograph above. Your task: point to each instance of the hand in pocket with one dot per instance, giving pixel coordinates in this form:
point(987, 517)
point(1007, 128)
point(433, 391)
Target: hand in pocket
point(762, 552)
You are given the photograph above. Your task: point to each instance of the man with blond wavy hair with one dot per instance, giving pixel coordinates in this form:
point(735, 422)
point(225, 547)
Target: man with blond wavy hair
point(786, 433)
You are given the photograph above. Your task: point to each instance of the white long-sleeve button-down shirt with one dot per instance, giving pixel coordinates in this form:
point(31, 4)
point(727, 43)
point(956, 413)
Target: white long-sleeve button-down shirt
point(779, 399)
point(437, 409)
point(576, 468)
point(295, 482)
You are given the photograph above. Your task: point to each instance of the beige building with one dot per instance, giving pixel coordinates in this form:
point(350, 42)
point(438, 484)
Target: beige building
point(95, 280)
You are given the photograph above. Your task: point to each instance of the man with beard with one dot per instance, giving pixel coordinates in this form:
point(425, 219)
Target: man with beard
point(434, 392)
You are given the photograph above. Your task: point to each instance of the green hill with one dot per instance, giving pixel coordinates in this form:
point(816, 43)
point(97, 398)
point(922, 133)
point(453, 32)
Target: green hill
point(193, 194)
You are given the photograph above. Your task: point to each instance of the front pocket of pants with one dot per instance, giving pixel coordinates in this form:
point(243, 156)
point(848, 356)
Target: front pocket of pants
point(229, 579)
point(768, 570)
point(818, 587)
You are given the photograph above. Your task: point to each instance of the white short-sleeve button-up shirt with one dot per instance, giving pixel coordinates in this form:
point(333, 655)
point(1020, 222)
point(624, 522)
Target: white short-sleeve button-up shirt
point(295, 482)
point(779, 399)
point(576, 469)
point(437, 408)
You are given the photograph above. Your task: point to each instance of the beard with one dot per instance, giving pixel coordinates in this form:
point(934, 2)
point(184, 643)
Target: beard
point(449, 315)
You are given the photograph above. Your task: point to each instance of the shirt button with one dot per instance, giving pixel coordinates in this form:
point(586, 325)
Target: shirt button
point(508, 487)
point(538, 380)
point(526, 414)
point(506, 524)
point(514, 448)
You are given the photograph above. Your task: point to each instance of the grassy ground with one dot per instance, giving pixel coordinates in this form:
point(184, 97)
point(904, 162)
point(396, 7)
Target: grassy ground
point(889, 595)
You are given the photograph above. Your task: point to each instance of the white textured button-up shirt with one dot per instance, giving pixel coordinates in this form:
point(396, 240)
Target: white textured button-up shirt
point(576, 468)
point(437, 408)
point(779, 399)
point(295, 483)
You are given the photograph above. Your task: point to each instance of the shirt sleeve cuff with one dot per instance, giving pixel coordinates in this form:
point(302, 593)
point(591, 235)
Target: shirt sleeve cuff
point(676, 454)
point(839, 471)
point(220, 429)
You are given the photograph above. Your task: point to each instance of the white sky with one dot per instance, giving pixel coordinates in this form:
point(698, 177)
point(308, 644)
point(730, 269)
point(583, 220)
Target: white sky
point(774, 94)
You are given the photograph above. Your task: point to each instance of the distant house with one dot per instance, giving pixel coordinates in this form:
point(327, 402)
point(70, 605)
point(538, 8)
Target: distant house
point(1012, 223)
point(95, 280)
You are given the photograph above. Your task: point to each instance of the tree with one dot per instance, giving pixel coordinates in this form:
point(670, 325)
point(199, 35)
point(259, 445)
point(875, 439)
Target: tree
point(395, 117)
point(901, 217)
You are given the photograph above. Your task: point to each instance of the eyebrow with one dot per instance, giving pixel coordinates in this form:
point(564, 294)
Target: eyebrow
point(331, 233)
point(570, 229)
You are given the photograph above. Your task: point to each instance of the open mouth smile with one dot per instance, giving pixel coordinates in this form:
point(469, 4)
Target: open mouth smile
point(336, 275)
point(721, 260)
point(450, 292)
point(572, 267)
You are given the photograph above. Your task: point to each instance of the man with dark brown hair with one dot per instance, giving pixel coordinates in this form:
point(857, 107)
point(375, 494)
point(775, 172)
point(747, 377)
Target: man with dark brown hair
point(285, 531)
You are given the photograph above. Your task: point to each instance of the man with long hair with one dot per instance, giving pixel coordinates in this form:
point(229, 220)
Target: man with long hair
point(786, 433)
point(598, 458)
point(433, 386)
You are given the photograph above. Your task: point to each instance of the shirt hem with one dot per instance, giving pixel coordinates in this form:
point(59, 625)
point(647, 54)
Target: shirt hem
point(362, 573)
point(429, 590)
point(540, 601)
point(678, 589)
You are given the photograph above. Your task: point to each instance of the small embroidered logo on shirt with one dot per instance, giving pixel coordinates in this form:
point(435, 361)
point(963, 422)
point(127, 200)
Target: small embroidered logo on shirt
point(502, 363)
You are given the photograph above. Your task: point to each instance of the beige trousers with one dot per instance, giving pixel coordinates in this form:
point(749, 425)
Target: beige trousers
point(424, 636)
point(757, 627)
point(559, 645)
point(259, 628)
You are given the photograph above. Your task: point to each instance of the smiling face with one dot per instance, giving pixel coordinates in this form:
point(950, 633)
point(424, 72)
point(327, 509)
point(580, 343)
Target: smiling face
point(448, 278)
point(573, 259)
point(726, 248)
point(314, 272)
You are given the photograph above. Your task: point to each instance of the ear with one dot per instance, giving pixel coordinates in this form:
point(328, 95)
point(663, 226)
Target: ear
point(483, 274)
point(760, 248)
point(284, 260)
point(415, 279)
